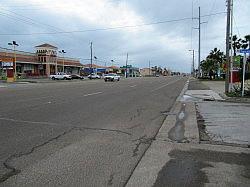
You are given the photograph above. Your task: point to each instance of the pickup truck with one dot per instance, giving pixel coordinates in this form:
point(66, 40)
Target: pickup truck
point(111, 77)
point(61, 76)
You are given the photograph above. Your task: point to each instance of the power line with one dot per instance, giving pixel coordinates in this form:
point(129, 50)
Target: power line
point(108, 28)
point(101, 29)
point(236, 27)
point(18, 17)
point(212, 8)
point(32, 21)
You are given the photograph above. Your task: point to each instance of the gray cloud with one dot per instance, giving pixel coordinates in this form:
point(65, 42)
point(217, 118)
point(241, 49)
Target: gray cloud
point(165, 44)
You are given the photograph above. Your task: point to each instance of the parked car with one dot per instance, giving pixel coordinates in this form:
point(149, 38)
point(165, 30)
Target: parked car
point(75, 76)
point(94, 76)
point(111, 77)
point(61, 76)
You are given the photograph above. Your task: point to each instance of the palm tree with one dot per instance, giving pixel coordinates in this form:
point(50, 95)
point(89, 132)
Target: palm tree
point(247, 37)
point(236, 43)
point(213, 61)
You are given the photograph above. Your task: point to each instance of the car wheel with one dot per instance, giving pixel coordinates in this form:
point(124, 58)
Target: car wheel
point(105, 80)
point(53, 78)
point(64, 78)
point(118, 79)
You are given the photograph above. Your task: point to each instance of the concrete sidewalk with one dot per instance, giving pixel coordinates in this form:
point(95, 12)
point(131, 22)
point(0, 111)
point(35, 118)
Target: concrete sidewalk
point(186, 151)
point(224, 122)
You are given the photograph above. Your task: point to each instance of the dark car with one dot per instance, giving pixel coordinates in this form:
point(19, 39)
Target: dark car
point(75, 76)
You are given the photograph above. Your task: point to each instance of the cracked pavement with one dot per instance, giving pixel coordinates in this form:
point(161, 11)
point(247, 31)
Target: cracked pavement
point(51, 135)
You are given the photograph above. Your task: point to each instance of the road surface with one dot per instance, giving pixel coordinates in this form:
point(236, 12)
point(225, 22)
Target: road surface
point(83, 133)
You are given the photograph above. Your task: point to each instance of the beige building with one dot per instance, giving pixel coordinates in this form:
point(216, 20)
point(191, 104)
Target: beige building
point(146, 72)
point(44, 62)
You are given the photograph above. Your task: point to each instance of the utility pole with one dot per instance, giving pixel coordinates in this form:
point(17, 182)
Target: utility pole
point(126, 73)
point(91, 57)
point(192, 68)
point(231, 50)
point(227, 45)
point(149, 73)
point(193, 64)
point(199, 52)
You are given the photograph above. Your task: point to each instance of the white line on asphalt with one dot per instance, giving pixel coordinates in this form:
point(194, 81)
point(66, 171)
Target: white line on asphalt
point(165, 85)
point(92, 94)
point(24, 121)
point(132, 86)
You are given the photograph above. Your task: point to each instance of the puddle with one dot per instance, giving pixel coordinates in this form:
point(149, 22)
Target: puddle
point(177, 132)
point(188, 98)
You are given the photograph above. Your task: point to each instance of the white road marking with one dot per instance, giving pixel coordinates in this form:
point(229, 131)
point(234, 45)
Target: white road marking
point(24, 121)
point(92, 94)
point(165, 85)
point(2, 86)
point(132, 86)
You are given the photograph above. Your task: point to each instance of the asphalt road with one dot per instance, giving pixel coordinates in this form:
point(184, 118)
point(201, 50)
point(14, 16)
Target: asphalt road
point(83, 133)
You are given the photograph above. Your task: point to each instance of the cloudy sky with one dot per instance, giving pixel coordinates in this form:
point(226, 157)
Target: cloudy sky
point(159, 31)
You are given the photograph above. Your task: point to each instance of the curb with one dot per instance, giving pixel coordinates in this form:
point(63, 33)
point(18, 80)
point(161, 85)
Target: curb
point(191, 131)
point(155, 158)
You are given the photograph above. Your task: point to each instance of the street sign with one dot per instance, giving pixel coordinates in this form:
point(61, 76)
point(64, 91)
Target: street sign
point(237, 60)
point(244, 50)
point(7, 64)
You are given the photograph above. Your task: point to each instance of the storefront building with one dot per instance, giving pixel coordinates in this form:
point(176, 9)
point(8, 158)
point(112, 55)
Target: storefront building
point(43, 62)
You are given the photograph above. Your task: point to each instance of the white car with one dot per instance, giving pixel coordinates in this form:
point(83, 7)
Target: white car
point(94, 76)
point(111, 77)
point(61, 76)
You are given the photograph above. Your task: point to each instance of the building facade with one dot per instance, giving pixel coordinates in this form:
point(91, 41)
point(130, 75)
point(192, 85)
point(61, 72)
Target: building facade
point(43, 62)
point(131, 71)
point(146, 72)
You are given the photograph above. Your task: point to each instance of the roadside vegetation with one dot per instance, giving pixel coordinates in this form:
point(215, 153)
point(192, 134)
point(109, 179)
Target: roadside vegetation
point(214, 66)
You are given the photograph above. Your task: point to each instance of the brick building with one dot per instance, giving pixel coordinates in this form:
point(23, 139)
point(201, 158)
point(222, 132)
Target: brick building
point(43, 62)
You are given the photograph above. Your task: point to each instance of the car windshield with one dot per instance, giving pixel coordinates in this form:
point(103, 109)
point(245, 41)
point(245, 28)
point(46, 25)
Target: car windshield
point(124, 93)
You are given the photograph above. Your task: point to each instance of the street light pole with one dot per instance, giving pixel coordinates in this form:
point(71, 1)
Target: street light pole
point(56, 63)
point(126, 73)
point(149, 72)
point(62, 51)
point(91, 57)
point(14, 44)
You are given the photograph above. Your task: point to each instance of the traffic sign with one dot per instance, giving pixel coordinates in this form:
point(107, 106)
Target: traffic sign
point(244, 50)
point(237, 60)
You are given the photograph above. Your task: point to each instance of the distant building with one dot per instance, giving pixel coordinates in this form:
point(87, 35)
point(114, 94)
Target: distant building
point(41, 63)
point(146, 72)
point(131, 71)
point(88, 68)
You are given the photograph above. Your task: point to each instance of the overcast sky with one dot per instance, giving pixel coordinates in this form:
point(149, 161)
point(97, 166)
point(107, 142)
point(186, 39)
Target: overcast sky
point(72, 25)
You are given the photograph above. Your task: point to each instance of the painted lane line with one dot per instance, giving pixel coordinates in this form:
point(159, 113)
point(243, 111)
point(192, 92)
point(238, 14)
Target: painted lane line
point(92, 94)
point(24, 121)
point(165, 85)
point(132, 86)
